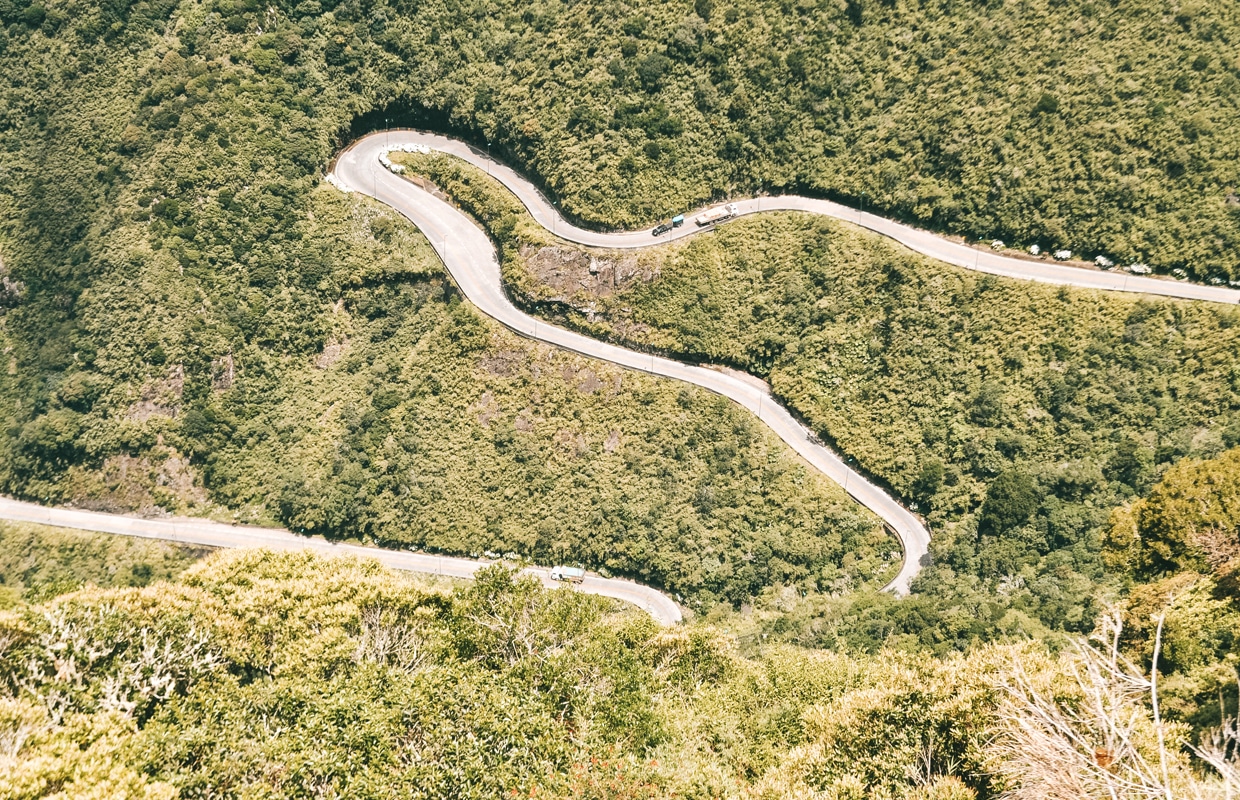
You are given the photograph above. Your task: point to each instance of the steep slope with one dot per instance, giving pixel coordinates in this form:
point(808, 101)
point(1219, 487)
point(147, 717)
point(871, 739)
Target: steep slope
point(167, 264)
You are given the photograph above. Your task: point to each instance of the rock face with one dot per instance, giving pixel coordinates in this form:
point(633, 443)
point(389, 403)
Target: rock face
point(159, 397)
point(569, 270)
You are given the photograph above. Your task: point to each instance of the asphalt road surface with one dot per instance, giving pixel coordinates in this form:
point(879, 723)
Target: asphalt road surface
point(216, 534)
point(470, 258)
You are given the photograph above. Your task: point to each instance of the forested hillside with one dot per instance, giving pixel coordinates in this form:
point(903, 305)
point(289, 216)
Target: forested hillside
point(182, 304)
point(194, 322)
point(1100, 126)
point(1013, 415)
point(288, 675)
point(37, 563)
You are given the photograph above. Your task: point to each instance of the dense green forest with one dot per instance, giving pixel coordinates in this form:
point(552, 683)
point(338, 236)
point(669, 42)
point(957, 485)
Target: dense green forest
point(287, 675)
point(1102, 126)
point(172, 275)
point(193, 322)
point(1013, 415)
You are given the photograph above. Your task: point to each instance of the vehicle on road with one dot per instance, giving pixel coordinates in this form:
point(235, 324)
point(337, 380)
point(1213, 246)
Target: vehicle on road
point(568, 574)
point(716, 214)
point(664, 227)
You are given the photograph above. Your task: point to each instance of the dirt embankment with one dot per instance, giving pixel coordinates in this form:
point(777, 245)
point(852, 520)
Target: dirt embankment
point(576, 274)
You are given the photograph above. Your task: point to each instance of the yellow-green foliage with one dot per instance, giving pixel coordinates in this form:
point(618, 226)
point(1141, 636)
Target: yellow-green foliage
point(287, 675)
point(290, 673)
point(1189, 521)
point(1179, 546)
point(79, 759)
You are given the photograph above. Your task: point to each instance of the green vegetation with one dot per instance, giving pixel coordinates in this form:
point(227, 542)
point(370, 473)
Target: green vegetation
point(192, 322)
point(1013, 415)
point(290, 675)
point(38, 562)
point(195, 322)
point(173, 273)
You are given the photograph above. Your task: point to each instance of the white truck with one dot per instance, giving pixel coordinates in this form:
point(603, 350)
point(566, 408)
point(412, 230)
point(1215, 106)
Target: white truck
point(568, 574)
point(716, 214)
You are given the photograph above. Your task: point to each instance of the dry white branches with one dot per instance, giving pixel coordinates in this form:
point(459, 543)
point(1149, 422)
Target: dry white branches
point(1093, 730)
point(88, 656)
point(390, 638)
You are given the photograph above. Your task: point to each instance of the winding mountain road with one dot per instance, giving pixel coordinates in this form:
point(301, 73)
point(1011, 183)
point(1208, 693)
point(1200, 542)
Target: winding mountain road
point(471, 259)
point(924, 242)
point(216, 534)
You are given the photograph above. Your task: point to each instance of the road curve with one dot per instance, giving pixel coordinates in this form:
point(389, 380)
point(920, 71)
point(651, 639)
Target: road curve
point(471, 259)
point(921, 241)
point(216, 534)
